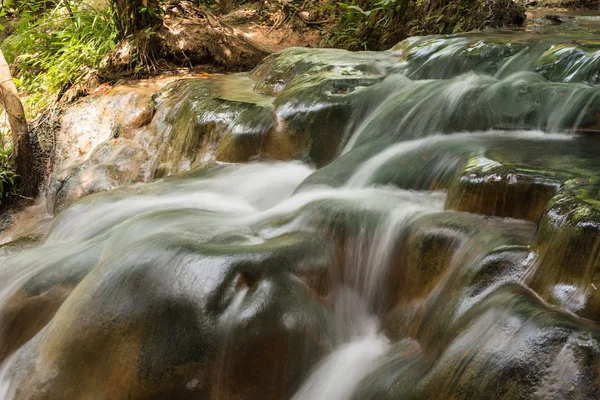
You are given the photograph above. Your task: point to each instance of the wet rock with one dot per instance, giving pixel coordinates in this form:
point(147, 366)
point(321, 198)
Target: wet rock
point(556, 58)
point(565, 270)
point(363, 234)
point(192, 119)
point(428, 164)
point(571, 62)
point(96, 148)
point(317, 114)
point(101, 117)
point(279, 70)
point(113, 163)
point(461, 54)
point(483, 162)
point(453, 252)
point(20, 243)
point(476, 102)
point(489, 188)
point(248, 136)
point(554, 19)
point(180, 126)
point(483, 325)
point(242, 319)
point(53, 273)
point(508, 346)
point(23, 316)
point(321, 95)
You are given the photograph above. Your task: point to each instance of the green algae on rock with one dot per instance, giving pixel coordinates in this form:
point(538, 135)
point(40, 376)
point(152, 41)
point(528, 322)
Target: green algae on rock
point(308, 103)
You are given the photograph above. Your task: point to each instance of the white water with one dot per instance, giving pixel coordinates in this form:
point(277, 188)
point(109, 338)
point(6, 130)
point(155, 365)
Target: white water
point(338, 375)
point(236, 199)
point(368, 260)
point(250, 200)
point(364, 174)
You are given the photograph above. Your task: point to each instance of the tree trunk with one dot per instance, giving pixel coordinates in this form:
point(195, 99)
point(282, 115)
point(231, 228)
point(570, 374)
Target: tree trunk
point(23, 151)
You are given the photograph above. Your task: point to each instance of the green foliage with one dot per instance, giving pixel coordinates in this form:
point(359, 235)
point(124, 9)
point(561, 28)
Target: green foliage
point(2, 15)
point(348, 21)
point(379, 24)
point(358, 18)
point(50, 50)
point(7, 175)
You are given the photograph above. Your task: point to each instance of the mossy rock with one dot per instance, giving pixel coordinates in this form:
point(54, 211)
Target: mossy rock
point(489, 188)
point(473, 359)
point(280, 70)
point(192, 120)
point(432, 246)
point(566, 267)
point(480, 103)
point(243, 317)
point(571, 62)
point(458, 54)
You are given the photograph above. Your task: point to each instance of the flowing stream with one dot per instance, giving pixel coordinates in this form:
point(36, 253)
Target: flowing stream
point(417, 223)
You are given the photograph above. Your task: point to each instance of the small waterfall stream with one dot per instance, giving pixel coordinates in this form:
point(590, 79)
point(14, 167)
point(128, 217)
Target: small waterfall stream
point(417, 223)
point(338, 375)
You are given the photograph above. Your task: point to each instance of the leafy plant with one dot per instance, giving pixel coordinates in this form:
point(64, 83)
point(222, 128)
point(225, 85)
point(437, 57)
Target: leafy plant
point(2, 15)
point(356, 18)
point(376, 23)
point(132, 15)
point(7, 175)
point(53, 49)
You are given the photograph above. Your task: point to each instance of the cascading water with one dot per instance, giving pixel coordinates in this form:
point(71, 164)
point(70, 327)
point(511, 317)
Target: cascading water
point(436, 237)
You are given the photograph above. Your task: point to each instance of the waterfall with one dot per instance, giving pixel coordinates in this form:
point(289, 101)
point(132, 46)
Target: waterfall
point(422, 222)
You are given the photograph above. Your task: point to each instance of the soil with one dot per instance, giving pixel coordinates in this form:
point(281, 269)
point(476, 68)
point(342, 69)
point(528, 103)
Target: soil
point(193, 37)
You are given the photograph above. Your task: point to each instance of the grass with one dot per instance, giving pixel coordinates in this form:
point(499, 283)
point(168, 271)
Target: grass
point(51, 50)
